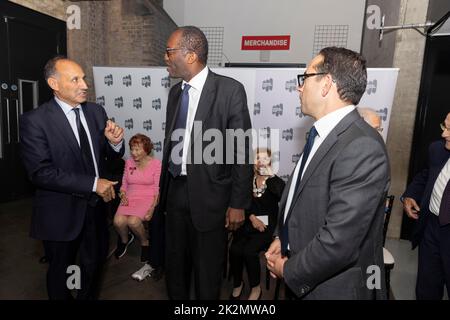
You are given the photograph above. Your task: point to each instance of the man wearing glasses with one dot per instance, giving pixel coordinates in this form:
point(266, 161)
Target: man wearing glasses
point(332, 210)
point(431, 188)
point(201, 199)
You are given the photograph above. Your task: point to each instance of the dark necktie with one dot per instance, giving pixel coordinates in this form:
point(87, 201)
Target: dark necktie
point(86, 154)
point(284, 235)
point(175, 169)
point(444, 209)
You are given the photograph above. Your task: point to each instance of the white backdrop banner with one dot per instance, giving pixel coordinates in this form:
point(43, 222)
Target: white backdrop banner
point(136, 99)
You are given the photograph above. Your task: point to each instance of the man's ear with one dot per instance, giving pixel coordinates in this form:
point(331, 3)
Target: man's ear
point(192, 57)
point(53, 83)
point(327, 85)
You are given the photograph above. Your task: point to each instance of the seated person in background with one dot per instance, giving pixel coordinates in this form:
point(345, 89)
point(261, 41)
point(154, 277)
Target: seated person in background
point(255, 235)
point(372, 118)
point(138, 195)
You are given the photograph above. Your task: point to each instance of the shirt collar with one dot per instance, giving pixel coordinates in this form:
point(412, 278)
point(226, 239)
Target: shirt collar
point(66, 108)
point(198, 81)
point(327, 123)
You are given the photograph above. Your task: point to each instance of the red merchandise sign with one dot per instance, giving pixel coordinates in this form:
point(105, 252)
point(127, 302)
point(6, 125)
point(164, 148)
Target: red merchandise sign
point(265, 42)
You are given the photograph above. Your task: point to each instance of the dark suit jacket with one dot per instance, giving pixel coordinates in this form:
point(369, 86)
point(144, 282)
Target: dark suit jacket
point(421, 187)
point(52, 158)
point(336, 216)
point(212, 188)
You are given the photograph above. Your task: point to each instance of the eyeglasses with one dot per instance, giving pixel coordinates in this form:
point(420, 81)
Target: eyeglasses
point(443, 127)
point(302, 77)
point(170, 50)
point(379, 129)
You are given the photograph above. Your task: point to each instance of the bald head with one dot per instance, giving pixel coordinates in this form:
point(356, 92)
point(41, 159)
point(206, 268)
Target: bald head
point(371, 117)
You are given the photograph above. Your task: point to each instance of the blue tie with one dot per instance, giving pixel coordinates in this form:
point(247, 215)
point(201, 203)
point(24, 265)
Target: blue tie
point(86, 154)
point(284, 235)
point(444, 209)
point(175, 169)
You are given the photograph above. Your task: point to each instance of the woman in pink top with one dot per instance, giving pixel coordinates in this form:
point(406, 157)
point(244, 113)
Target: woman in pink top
point(138, 195)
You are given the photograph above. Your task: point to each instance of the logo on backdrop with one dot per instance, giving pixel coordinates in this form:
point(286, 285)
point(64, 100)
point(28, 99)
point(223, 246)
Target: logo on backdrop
point(147, 125)
point(112, 119)
point(372, 86)
point(156, 104)
point(129, 124)
point(137, 103)
point(267, 85)
point(257, 108)
point(277, 110)
point(101, 101)
point(163, 126)
point(288, 134)
point(127, 80)
point(296, 157)
point(298, 112)
point(264, 133)
point(383, 113)
point(157, 146)
point(165, 82)
point(147, 81)
point(118, 102)
point(109, 80)
point(291, 85)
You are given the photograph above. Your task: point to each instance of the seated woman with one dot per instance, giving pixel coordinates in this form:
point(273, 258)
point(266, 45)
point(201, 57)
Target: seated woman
point(255, 235)
point(138, 195)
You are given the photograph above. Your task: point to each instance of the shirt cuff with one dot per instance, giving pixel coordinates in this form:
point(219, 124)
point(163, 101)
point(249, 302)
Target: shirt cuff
point(116, 147)
point(94, 188)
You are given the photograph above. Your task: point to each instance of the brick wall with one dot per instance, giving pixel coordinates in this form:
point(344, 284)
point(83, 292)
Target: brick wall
point(54, 8)
point(113, 33)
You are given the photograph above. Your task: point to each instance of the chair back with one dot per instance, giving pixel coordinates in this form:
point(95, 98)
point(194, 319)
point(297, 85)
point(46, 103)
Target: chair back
point(387, 214)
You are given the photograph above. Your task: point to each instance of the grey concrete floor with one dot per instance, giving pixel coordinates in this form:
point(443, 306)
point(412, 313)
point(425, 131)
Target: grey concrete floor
point(23, 277)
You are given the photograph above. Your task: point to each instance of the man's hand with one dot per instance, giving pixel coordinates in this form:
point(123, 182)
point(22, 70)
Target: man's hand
point(275, 262)
point(113, 132)
point(234, 219)
point(257, 224)
point(411, 207)
point(105, 189)
point(273, 253)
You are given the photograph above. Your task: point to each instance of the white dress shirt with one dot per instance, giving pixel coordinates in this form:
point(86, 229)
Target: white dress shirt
point(323, 126)
point(439, 187)
point(71, 117)
point(196, 83)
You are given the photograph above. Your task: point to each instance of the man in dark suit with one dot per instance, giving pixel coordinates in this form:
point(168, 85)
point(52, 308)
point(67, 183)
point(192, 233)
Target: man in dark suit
point(331, 215)
point(431, 188)
point(201, 197)
point(64, 144)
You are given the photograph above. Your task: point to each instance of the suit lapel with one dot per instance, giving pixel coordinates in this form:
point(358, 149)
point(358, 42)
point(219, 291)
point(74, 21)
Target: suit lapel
point(324, 148)
point(204, 105)
point(171, 124)
point(92, 130)
point(59, 120)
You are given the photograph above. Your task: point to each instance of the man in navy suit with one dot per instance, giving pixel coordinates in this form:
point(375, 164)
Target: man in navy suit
point(432, 230)
point(64, 144)
point(201, 198)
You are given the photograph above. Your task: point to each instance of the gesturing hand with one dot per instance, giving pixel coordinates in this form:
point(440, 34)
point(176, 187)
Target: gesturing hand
point(105, 189)
point(113, 132)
